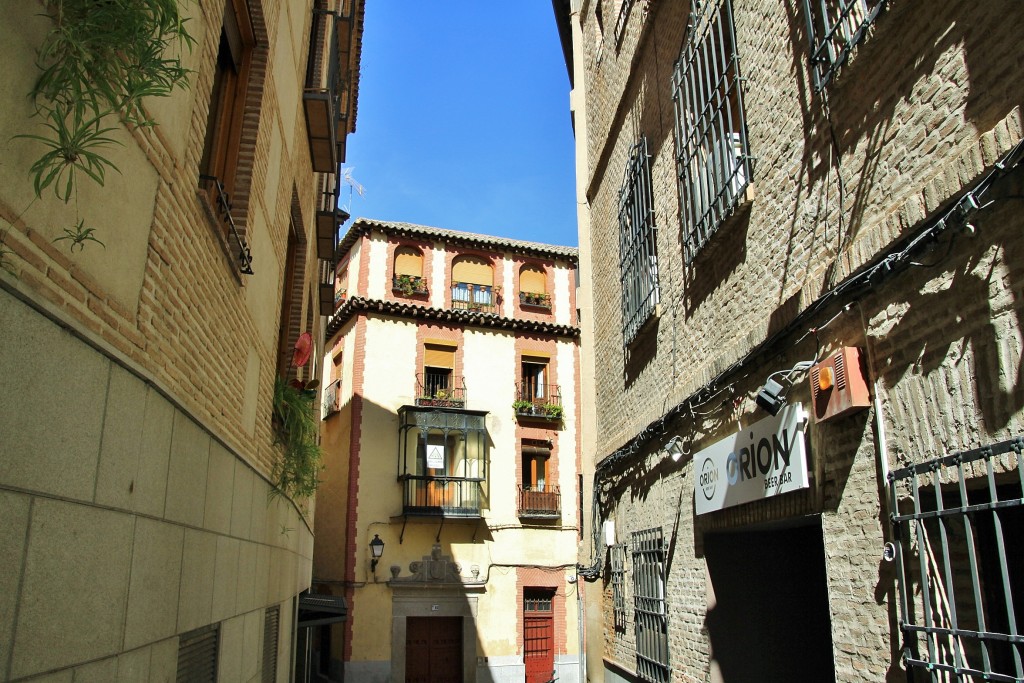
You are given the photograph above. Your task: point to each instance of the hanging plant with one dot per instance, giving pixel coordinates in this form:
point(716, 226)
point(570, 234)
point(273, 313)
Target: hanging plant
point(296, 423)
point(98, 62)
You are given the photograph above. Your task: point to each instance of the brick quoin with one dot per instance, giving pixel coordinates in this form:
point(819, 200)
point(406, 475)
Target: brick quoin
point(358, 367)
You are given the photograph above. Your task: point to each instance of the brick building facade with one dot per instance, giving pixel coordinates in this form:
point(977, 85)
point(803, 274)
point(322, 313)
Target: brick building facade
point(450, 436)
point(141, 540)
point(763, 184)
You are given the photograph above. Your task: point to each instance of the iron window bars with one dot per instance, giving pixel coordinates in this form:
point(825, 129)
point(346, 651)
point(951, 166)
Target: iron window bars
point(618, 557)
point(638, 255)
point(960, 595)
point(620, 21)
point(650, 613)
point(834, 28)
point(713, 162)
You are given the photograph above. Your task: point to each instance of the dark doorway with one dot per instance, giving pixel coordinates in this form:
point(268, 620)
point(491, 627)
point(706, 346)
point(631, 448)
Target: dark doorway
point(433, 650)
point(768, 619)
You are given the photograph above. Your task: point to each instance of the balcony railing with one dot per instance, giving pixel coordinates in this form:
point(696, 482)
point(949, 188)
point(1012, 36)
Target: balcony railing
point(220, 197)
point(439, 391)
point(441, 496)
point(543, 401)
point(471, 297)
point(545, 502)
point(332, 398)
point(409, 285)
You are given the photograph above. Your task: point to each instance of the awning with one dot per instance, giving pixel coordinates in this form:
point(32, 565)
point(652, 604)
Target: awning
point(318, 610)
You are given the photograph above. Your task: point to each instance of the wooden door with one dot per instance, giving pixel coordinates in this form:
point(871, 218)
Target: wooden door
point(538, 636)
point(433, 650)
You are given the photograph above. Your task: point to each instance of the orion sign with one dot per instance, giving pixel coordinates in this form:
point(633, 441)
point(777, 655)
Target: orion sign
point(764, 460)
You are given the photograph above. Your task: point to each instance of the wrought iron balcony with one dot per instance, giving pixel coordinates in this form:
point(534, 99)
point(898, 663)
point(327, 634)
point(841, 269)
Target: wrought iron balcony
point(538, 401)
point(544, 502)
point(409, 285)
point(439, 391)
point(441, 496)
point(332, 398)
point(472, 297)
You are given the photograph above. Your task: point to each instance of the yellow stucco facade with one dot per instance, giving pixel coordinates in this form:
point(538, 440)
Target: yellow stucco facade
point(464, 547)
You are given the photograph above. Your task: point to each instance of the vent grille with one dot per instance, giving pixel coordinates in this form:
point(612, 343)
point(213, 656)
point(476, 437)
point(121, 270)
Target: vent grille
point(840, 366)
point(270, 635)
point(197, 655)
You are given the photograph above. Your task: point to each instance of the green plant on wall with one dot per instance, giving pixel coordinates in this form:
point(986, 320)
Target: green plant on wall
point(99, 61)
point(296, 428)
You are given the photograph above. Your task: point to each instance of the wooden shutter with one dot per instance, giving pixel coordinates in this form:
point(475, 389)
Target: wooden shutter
point(532, 279)
point(473, 270)
point(438, 356)
point(408, 261)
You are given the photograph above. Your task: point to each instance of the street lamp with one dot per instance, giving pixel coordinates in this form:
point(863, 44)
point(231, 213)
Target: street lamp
point(376, 550)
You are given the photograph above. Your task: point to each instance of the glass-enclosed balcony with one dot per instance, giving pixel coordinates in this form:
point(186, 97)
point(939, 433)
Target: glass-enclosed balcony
point(442, 461)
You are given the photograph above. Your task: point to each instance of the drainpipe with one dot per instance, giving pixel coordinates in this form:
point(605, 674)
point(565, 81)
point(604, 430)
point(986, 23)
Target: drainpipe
point(579, 627)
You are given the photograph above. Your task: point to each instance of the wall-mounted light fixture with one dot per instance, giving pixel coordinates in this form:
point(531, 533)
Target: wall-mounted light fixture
point(674, 448)
point(376, 551)
point(770, 398)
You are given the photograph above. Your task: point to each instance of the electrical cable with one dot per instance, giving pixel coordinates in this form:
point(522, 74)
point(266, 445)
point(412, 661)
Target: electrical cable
point(884, 268)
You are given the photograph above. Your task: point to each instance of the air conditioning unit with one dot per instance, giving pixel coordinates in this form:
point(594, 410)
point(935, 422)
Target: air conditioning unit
point(838, 386)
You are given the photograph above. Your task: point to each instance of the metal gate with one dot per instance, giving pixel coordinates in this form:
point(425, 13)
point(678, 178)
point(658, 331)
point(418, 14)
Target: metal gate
point(959, 533)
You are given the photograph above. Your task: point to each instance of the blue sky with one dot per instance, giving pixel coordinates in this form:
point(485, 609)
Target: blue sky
point(463, 119)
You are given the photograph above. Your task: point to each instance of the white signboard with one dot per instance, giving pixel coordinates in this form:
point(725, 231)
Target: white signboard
point(435, 456)
point(763, 460)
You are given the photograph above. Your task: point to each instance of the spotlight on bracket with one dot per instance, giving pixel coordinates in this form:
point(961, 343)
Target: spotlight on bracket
point(770, 397)
point(674, 448)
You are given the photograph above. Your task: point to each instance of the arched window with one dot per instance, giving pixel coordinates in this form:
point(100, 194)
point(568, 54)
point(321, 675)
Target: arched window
point(408, 275)
point(472, 283)
point(408, 261)
point(533, 283)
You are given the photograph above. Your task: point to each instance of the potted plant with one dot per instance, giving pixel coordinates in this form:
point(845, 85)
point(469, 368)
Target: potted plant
point(522, 407)
point(553, 410)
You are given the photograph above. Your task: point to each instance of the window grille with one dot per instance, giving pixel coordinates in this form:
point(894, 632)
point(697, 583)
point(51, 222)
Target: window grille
point(834, 28)
point(638, 257)
point(619, 585)
point(959, 526)
point(650, 613)
point(620, 20)
point(713, 161)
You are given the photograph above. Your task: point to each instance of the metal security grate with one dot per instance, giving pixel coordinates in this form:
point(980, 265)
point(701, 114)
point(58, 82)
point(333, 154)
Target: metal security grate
point(650, 613)
point(638, 256)
point(197, 655)
point(713, 161)
point(618, 553)
point(835, 27)
point(271, 621)
point(959, 527)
